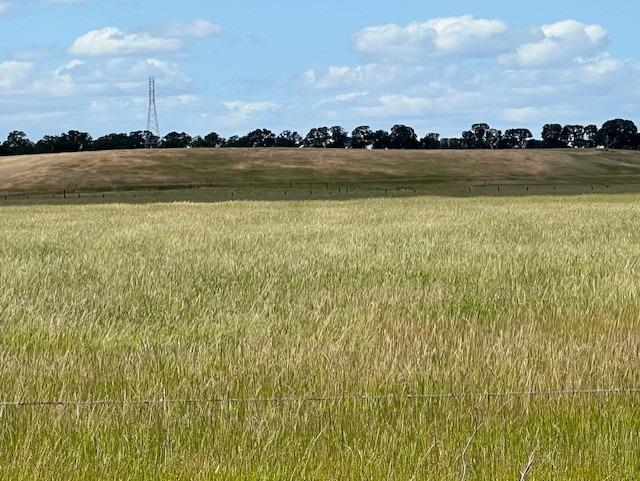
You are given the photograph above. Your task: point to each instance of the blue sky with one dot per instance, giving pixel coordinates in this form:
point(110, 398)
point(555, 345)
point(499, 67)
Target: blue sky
point(234, 66)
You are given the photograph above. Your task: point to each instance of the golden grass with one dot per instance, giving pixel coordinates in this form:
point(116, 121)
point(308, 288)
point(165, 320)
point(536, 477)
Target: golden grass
point(241, 167)
point(281, 299)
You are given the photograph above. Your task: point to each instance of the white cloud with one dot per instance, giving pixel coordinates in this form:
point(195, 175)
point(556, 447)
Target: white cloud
point(560, 42)
point(361, 75)
point(111, 41)
point(195, 29)
point(4, 7)
point(400, 105)
point(238, 106)
point(462, 69)
point(239, 112)
point(341, 98)
point(464, 35)
point(601, 67)
point(521, 114)
point(14, 73)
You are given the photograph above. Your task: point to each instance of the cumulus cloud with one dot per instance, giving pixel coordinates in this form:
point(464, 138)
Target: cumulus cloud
point(113, 41)
point(464, 35)
point(560, 42)
point(468, 69)
point(161, 38)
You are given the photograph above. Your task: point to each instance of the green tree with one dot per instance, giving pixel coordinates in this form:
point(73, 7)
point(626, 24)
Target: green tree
point(618, 134)
point(176, 140)
point(361, 137)
point(551, 136)
point(403, 137)
point(17, 143)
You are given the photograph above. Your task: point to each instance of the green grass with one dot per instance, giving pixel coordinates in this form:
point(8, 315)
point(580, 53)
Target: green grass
point(311, 298)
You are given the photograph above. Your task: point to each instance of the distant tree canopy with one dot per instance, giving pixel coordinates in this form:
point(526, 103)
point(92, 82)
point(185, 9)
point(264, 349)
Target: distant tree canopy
point(614, 134)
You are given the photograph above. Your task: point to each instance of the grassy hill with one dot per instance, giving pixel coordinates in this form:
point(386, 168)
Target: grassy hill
point(118, 170)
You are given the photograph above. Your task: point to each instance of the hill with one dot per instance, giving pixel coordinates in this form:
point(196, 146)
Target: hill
point(142, 169)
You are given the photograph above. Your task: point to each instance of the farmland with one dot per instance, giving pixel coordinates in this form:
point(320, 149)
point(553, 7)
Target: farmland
point(309, 338)
point(248, 170)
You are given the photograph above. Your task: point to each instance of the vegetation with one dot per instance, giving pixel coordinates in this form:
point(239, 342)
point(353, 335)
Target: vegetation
point(307, 299)
point(280, 170)
point(615, 134)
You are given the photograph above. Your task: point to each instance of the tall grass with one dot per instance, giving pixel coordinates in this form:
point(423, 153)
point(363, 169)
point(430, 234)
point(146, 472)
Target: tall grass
point(315, 299)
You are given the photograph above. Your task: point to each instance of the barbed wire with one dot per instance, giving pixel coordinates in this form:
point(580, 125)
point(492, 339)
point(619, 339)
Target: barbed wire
point(328, 399)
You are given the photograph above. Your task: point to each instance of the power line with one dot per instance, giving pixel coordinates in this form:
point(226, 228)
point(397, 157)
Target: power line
point(329, 399)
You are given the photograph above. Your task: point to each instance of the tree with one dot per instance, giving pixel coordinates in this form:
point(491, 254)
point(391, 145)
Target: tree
point(288, 139)
point(113, 142)
point(17, 143)
point(175, 140)
point(403, 137)
point(430, 141)
point(259, 138)
point(535, 144)
point(572, 135)
point(138, 139)
point(516, 138)
point(233, 141)
point(381, 139)
point(318, 138)
point(590, 136)
point(74, 141)
point(197, 142)
point(339, 138)
point(492, 138)
point(451, 144)
point(361, 137)
point(618, 134)
point(551, 136)
point(479, 132)
point(47, 144)
point(468, 140)
point(213, 140)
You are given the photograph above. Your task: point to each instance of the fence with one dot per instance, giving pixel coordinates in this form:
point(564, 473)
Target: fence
point(331, 399)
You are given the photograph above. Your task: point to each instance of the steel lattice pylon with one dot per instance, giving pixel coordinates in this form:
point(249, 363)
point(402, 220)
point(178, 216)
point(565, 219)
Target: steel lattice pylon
point(153, 129)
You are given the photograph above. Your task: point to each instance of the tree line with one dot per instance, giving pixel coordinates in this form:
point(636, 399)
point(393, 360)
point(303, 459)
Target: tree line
point(613, 134)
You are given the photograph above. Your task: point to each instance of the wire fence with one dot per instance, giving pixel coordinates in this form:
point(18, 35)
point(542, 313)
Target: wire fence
point(330, 399)
point(335, 187)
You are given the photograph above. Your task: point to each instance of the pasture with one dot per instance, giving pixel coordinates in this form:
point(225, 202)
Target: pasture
point(316, 339)
point(432, 171)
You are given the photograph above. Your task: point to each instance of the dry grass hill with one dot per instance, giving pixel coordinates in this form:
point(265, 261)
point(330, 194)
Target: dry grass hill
point(117, 170)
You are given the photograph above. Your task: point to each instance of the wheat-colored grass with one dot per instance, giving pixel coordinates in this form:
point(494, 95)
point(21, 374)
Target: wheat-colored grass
point(109, 170)
point(321, 299)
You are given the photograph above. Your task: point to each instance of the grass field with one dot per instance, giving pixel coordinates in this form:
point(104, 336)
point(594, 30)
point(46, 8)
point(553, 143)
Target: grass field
point(318, 298)
point(296, 168)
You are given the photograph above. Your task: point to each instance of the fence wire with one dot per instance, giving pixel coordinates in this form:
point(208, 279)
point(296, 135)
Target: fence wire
point(328, 399)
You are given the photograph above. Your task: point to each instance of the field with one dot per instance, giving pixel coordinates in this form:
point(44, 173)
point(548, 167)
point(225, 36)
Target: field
point(308, 169)
point(417, 337)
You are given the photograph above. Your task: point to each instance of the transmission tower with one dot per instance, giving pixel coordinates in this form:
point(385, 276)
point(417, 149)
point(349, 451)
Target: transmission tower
point(153, 129)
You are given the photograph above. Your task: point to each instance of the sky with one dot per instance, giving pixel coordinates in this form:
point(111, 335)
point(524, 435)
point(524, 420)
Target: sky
point(234, 66)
